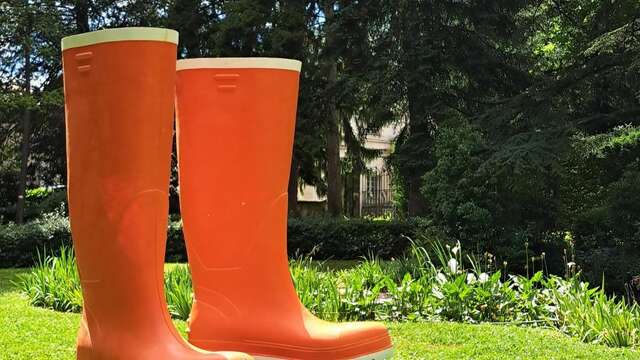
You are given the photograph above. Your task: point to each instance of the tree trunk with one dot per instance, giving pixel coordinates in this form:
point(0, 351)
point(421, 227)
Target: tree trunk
point(25, 148)
point(415, 200)
point(292, 20)
point(418, 145)
point(419, 133)
point(356, 192)
point(334, 183)
point(293, 188)
point(81, 13)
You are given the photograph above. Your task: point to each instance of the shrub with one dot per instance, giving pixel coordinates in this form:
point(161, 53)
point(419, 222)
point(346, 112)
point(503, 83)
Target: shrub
point(19, 244)
point(352, 239)
point(39, 201)
point(51, 201)
point(176, 250)
point(608, 236)
point(615, 265)
point(324, 238)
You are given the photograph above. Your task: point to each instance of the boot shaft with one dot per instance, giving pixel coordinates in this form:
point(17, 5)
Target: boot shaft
point(235, 121)
point(119, 90)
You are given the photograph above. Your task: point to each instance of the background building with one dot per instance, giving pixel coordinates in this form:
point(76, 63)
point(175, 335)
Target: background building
point(370, 193)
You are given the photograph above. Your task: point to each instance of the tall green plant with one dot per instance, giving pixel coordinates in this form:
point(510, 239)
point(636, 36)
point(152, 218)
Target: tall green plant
point(589, 314)
point(178, 291)
point(54, 282)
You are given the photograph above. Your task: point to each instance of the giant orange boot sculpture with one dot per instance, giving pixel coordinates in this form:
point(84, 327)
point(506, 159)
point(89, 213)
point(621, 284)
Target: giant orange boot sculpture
point(235, 135)
point(119, 95)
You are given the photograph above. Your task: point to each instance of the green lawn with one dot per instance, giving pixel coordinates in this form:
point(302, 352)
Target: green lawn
point(30, 333)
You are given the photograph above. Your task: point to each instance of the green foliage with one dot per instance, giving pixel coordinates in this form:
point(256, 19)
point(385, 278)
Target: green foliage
point(438, 287)
point(337, 239)
point(31, 31)
point(318, 290)
point(178, 291)
point(462, 200)
point(602, 204)
point(176, 250)
point(39, 201)
point(486, 206)
point(38, 193)
point(19, 244)
point(54, 282)
point(519, 120)
point(614, 264)
point(54, 201)
point(589, 314)
point(550, 148)
point(35, 333)
point(324, 238)
point(616, 221)
point(622, 139)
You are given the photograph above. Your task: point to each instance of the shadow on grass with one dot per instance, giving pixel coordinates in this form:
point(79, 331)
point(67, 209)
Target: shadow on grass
point(8, 277)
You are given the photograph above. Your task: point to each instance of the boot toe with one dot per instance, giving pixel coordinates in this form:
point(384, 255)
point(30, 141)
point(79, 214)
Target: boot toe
point(359, 339)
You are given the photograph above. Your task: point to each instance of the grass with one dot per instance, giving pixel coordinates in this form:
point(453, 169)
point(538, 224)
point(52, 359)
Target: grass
point(28, 332)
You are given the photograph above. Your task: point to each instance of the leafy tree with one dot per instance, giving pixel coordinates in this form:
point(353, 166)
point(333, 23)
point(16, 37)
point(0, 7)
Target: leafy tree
point(29, 68)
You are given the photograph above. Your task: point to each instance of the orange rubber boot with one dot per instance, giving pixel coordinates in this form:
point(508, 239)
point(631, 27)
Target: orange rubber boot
point(235, 136)
point(119, 94)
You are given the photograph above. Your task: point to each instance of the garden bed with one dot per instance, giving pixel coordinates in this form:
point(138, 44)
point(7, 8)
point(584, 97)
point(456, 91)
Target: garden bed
point(438, 284)
point(28, 332)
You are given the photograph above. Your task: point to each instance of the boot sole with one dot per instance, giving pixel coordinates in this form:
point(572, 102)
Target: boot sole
point(380, 355)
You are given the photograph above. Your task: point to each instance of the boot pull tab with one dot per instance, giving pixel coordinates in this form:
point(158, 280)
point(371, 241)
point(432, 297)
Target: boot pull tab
point(84, 61)
point(226, 82)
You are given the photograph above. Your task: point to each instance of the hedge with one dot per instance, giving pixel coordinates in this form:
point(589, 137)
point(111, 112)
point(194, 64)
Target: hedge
point(614, 265)
point(321, 238)
point(20, 244)
point(351, 239)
